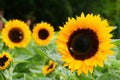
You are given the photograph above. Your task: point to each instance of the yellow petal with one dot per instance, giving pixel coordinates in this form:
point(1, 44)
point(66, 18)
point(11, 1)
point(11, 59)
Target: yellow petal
point(71, 65)
point(66, 64)
point(99, 62)
point(87, 62)
point(85, 68)
point(100, 55)
point(109, 52)
point(79, 71)
point(76, 65)
point(91, 69)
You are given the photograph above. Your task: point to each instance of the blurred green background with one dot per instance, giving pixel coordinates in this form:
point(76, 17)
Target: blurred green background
point(56, 12)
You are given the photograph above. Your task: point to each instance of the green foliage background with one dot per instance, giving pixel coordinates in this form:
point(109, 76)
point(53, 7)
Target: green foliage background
point(56, 12)
point(27, 64)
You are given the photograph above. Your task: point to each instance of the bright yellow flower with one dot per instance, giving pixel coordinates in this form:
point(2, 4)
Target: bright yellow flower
point(43, 33)
point(16, 33)
point(5, 60)
point(49, 68)
point(84, 43)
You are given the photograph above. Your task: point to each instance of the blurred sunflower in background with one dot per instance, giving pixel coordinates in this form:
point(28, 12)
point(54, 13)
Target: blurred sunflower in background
point(43, 33)
point(5, 60)
point(85, 42)
point(49, 68)
point(16, 33)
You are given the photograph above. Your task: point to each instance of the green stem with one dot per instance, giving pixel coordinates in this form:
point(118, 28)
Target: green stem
point(2, 76)
point(13, 64)
point(11, 67)
point(11, 73)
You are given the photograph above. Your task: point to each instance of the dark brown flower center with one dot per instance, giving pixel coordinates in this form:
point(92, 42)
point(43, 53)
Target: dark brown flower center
point(83, 44)
point(16, 35)
point(3, 60)
point(43, 34)
point(51, 66)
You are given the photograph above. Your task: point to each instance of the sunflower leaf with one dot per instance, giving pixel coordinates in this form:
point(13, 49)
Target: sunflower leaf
point(22, 53)
point(108, 76)
point(116, 41)
point(1, 45)
point(52, 54)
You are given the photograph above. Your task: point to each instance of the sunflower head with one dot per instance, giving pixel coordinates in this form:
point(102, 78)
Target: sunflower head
point(16, 33)
point(5, 60)
point(49, 68)
point(42, 33)
point(85, 42)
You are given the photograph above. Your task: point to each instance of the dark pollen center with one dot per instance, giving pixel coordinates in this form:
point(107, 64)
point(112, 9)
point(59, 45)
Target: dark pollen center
point(16, 35)
point(51, 66)
point(80, 44)
point(83, 44)
point(3, 60)
point(43, 34)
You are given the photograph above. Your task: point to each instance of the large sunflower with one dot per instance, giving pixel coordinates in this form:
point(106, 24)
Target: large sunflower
point(16, 33)
point(5, 60)
point(43, 33)
point(49, 68)
point(84, 43)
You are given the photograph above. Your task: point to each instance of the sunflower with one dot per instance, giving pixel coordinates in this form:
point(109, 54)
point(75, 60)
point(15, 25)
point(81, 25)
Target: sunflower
point(16, 33)
point(84, 42)
point(43, 33)
point(5, 60)
point(49, 68)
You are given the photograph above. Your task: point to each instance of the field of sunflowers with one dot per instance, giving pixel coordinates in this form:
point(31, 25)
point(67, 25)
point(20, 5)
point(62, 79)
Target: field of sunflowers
point(83, 49)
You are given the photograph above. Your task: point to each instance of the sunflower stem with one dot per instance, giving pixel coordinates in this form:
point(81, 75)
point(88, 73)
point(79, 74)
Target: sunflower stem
point(10, 73)
point(11, 69)
point(2, 75)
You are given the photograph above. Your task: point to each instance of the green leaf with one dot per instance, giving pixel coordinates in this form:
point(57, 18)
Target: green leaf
point(108, 76)
point(34, 71)
point(116, 41)
point(39, 52)
point(116, 50)
point(1, 45)
point(22, 53)
point(52, 54)
point(84, 77)
point(116, 64)
point(37, 78)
